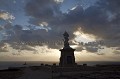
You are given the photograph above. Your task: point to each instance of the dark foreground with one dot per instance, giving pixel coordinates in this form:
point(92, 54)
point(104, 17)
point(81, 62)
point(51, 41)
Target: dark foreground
point(56, 72)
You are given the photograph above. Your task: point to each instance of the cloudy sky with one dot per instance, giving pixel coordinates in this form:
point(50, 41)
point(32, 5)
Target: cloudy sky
point(31, 30)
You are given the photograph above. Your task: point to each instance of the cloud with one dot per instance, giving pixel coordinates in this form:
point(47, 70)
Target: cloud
point(100, 20)
point(117, 52)
point(58, 1)
point(38, 9)
point(3, 47)
point(118, 48)
point(92, 49)
point(97, 19)
point(1, 28)
point(94, 20)
point(49, 11)
point(21, 39)
point(79, 48)
point(6, 16)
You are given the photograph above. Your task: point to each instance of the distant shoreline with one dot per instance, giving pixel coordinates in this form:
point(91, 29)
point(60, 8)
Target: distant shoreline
point(6, 64)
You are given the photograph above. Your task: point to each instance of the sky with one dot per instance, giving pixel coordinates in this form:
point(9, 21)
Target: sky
point(32, 30)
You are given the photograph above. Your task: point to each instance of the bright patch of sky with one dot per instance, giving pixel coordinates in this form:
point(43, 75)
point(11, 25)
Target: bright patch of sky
point(81, 37)
point(69, 4)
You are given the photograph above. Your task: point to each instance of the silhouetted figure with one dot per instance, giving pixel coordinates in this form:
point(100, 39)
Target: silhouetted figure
point(66, 43)
point(67, 53)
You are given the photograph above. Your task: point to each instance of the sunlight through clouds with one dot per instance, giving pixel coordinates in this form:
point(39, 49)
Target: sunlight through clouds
point(41, 23)
point(81, 37)
point(58, 1)
point(6, 16)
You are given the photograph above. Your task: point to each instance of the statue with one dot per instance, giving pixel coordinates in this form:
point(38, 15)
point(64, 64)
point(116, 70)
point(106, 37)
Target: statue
point(67, 58)
point(66, 39)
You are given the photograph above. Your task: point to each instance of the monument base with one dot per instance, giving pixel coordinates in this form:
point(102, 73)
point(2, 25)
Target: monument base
point(67, 58)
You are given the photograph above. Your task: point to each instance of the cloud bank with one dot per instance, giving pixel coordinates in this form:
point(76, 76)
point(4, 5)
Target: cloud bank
point(100, 20)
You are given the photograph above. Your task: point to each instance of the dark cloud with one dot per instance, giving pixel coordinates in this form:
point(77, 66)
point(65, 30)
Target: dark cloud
point(37, 9)
point(92, 49)
point(101, 25)
point(26, 39)
point(1, 28)
point(3, 47)
point(94, 20)
point(109, 5)
point(100, 20)
point(118, 48)
point(79, 48)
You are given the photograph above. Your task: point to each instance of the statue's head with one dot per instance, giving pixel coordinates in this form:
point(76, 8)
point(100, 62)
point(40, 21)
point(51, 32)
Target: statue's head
point(66, 34)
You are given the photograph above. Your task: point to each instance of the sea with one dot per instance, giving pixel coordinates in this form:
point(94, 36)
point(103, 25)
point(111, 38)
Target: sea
point(7, 64)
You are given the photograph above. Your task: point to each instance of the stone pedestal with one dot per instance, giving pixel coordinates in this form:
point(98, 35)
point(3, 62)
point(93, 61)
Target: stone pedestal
point(67, 58)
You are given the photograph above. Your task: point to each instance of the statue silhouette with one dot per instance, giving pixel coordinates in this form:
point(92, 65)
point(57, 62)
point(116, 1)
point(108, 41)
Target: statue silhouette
point(67, 53)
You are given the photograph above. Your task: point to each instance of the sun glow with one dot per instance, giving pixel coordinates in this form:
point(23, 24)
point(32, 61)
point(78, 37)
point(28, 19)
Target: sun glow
point(80, 36)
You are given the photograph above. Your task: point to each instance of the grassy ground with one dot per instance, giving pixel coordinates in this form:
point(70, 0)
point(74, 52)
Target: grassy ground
point(47, 72)
point(10, 74)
